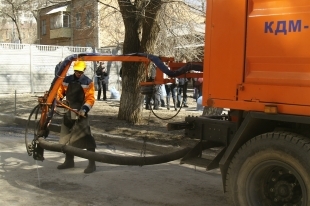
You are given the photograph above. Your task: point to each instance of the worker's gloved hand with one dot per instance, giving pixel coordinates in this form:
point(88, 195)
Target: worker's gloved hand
point(83, 111)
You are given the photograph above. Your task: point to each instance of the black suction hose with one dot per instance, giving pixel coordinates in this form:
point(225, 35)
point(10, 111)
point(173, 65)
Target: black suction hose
point(34, 110)
point(112, 159)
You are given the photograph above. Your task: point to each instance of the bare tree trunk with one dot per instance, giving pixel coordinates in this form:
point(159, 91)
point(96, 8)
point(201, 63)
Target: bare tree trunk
point(141, 31)
point(131, 103)
point(18, 32)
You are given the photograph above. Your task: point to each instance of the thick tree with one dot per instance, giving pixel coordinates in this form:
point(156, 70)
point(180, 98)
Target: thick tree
point(155, 27)
point(141, 30)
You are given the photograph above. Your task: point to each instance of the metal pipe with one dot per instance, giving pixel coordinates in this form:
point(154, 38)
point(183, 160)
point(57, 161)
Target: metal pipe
point(69, 108)
point(112, 159)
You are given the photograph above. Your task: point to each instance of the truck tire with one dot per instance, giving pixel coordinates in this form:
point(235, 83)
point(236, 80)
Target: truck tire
point(271, 169)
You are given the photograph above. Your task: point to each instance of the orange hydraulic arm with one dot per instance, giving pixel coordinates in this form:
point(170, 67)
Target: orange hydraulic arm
point(47, 102)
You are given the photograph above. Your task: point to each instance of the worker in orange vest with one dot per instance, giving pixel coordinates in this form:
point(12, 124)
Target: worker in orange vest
point(79, 91)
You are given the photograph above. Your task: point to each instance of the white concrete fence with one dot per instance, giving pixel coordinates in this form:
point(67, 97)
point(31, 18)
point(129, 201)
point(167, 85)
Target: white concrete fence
point(28, 68)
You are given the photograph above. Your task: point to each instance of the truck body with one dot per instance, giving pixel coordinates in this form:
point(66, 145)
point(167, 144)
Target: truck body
point(257, 64)
point(256, 53)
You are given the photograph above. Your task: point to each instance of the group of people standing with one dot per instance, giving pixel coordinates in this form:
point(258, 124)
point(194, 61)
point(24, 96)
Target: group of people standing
point(177, 90)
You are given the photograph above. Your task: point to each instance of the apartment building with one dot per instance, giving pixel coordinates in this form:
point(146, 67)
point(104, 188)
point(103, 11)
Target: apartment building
point(79, 23)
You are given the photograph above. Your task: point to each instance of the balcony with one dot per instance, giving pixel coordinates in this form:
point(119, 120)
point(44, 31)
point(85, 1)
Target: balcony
point(60, 33)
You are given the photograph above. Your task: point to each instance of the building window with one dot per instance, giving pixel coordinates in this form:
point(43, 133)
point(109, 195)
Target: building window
point(88, 18)
point(78, 21)
point(66, 20)
point(56, 22)
point(43, 27)
point(60, 21)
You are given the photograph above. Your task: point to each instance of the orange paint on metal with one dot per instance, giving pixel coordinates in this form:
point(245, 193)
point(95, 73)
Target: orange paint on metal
point(257, 54)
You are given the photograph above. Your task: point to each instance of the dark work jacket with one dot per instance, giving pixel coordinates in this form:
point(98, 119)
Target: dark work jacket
point(76, 132)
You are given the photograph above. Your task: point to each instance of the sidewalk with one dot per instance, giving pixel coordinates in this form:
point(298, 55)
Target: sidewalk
point(106, 127)
point(102, 137)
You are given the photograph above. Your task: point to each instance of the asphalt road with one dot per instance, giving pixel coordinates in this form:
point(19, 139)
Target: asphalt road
point(25, 181)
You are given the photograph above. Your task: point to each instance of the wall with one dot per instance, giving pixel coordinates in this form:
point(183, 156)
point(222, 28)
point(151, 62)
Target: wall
point(30, 68)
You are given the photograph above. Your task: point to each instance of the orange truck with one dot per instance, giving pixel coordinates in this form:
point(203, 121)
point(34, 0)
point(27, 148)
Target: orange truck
point(257, 64)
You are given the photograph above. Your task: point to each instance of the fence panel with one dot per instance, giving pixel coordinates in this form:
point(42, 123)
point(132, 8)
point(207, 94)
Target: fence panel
point(29, 68)
point(15, 67)
point(43, 61)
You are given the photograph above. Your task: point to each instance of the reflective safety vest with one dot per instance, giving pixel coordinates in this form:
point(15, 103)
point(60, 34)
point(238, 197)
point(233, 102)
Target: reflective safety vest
point(86, 83)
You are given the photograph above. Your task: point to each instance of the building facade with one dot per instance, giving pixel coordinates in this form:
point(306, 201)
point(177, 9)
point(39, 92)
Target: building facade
point(78, 23)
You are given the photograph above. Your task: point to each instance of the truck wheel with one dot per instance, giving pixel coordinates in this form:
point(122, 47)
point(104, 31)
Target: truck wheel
point(271, 169)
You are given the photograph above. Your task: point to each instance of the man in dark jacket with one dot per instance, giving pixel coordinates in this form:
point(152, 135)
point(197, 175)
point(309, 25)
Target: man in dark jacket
point(182, 92)
point(182, 89)
point(102, 78)
point(155, 96)
point(75, 130)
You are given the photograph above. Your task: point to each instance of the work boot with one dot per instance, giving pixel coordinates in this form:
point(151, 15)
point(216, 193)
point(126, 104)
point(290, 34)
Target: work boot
point(69, 162)
point(91, 164)
point(184, 104)
point(91, 167)
point(168, 102)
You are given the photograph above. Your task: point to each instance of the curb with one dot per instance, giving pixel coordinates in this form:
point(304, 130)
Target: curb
point(100, 137)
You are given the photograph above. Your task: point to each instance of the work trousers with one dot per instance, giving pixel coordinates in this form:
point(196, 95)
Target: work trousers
point(102, 86)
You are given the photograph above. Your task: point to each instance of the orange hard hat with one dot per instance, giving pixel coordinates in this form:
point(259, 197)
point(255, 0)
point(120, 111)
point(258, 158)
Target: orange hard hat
point(79, 66)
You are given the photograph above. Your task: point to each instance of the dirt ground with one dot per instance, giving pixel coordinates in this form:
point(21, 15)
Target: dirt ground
point(103, 117)
point(25, 181)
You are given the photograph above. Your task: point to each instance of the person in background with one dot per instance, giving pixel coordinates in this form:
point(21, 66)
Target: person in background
point(182, 90)
point(195, 91)
point(161, 95)
point(79, 91)
point(156, 94)
point(171, 90)
point(102, 77)
point(198, 87)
